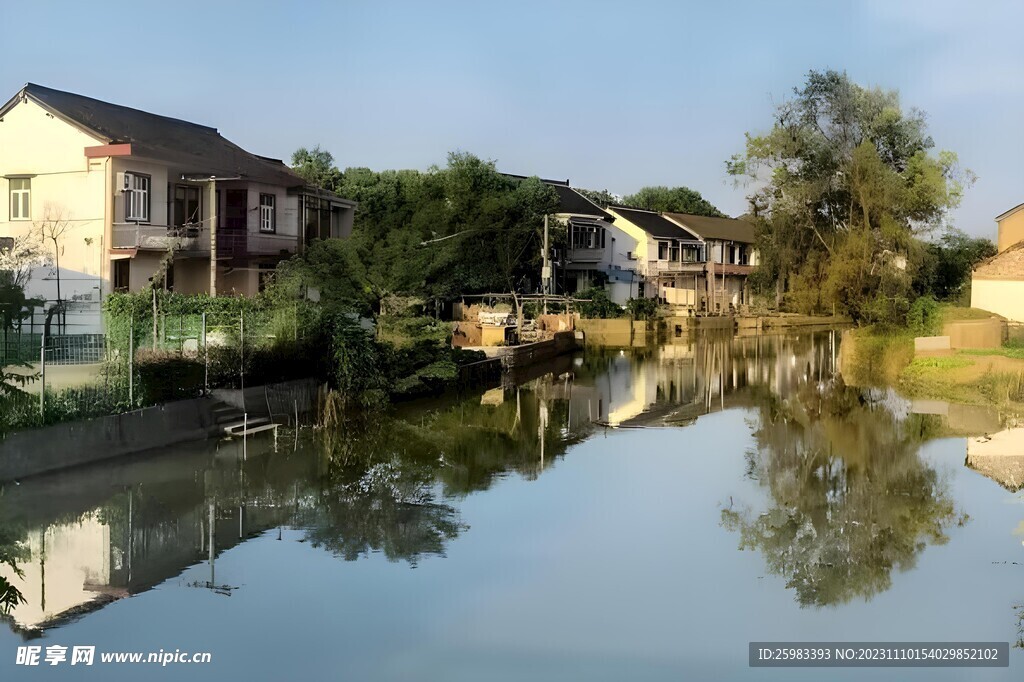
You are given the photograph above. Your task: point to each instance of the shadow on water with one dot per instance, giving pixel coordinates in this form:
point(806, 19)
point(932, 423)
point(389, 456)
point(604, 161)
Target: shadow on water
point(850, 499)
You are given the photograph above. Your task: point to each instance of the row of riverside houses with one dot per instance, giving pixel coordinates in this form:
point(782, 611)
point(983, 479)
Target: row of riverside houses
point(120, 189)
point(687, 261)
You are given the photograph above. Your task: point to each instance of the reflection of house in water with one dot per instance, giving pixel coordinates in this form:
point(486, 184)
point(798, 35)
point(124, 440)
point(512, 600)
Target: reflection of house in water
point(157, 522)
point(675, 383)
point(999, 456)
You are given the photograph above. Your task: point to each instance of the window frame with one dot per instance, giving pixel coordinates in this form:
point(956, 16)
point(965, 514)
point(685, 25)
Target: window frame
point(130, 201)
point(268, 217)
point(174, 221)
point(25, 195)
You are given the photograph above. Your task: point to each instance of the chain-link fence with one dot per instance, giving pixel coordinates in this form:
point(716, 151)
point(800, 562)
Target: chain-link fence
point(146, 361)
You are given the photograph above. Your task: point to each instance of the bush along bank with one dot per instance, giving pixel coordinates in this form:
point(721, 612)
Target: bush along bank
point(163, 347)
point(877, 357)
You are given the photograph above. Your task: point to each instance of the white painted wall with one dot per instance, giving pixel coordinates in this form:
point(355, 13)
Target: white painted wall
point(65, 182)
point(1000, 296)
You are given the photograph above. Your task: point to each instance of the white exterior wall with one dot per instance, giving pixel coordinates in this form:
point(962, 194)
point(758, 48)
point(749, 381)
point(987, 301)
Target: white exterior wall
point(64, 182)
point(158, 199)
point(1000, 296)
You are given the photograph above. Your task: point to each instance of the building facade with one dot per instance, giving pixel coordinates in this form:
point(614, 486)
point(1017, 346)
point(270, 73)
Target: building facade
point(120, 197)
point(997, 283)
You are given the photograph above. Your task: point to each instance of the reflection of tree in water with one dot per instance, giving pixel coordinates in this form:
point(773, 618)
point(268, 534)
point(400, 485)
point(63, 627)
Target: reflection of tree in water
point(12, 551)
point(851, 499)
point(383, 484)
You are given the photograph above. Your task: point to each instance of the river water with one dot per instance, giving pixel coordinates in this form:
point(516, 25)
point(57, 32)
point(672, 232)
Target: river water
point(623, 514)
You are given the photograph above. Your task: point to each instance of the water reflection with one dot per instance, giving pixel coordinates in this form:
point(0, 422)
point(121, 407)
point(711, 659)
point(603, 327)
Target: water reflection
point(849, 498)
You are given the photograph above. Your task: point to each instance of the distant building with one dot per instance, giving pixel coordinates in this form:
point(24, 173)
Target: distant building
point(997, 283)
point(687, 261)
point(131, 186)
point(669, 259)
point(730, 257)
point(599, 253)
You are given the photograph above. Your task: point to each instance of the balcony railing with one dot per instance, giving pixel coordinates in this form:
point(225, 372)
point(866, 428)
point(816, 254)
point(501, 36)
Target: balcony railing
point(271, 244)
point(158, 237)
point(732, 269)
point(239, 244)
point(194, 239)
point(656, 266)
point(584, 255)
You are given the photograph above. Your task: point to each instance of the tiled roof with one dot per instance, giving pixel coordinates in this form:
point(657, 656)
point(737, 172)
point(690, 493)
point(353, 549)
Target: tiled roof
point(728, 229)
point(195, 149)
point(1007, 265)
point(570, 201)
point(653, 223)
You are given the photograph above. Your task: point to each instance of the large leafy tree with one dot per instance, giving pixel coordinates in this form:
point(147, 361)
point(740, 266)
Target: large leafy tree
point(945, 270)
point(316, 166)
point(846, 180)
point(672, 199)
point(464, 228)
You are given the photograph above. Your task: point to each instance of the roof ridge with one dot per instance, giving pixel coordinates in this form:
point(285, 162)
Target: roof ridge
point(28, 90)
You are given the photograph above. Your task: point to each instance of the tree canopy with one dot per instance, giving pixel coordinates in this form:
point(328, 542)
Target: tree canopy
point(316, 166)
point(464, 228)
point(672, 200)
point(846, 181)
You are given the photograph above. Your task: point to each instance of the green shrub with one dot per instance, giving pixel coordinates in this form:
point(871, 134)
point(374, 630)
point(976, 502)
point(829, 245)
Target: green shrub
point(642, 308)
point(599, 305)
point(925, 317)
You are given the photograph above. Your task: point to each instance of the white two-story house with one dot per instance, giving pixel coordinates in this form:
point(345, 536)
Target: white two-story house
point(119, 191)
point(730, 257)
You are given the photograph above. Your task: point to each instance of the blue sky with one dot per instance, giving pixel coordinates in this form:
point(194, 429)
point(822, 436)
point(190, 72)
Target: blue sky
point(610, 95)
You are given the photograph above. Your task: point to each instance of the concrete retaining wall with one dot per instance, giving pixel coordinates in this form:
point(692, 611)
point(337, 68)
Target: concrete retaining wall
point(529, 353)
point(612, 332)
point(61, 446)
point(272, 400)
point(975, 333)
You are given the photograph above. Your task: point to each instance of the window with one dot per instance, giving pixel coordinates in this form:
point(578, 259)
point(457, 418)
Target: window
point(662, 250)
point(586, 236)
point(21, 195)
point(268, 213)
point(122, 274)
point(136, 199)
point(186, 206)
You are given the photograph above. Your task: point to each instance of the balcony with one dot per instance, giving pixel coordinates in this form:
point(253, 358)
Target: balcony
point(197, 241)
point(267, 244)
point(731, 269)
point(655, 267)
point(243, 244)
point(582, 255)
point(158, 237)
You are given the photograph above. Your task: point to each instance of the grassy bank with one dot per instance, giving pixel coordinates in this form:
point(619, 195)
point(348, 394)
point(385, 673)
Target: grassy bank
point(974, 377)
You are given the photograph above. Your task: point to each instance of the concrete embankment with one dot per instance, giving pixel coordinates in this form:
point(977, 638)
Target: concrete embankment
point(61, 446)
point(530, 353)
point(626, 332)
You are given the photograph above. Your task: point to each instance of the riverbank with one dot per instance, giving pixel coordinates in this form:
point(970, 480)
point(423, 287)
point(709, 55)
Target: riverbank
point(970, 376)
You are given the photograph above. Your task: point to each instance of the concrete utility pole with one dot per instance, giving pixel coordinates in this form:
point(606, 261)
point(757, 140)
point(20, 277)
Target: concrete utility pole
point(546, 270)
point(212, 180)
point(213, 237)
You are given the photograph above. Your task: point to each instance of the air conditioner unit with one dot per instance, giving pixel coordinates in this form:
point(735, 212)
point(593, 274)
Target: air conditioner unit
point(124, 181)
